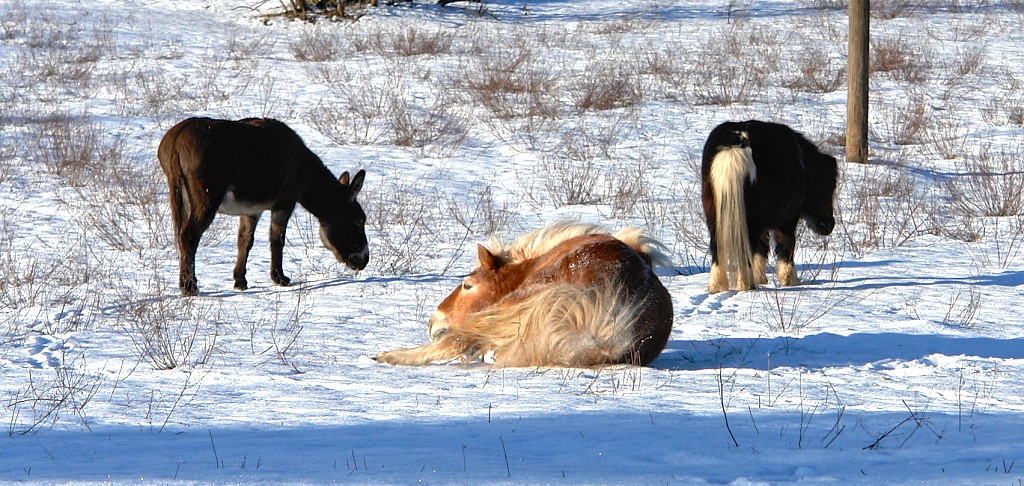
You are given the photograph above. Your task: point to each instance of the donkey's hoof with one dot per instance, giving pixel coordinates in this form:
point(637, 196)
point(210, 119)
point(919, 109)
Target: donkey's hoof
point(280, 280)
point(189, 289)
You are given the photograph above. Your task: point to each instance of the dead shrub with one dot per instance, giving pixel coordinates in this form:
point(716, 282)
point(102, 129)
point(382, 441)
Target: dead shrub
point(406, 226)
point(989, 182)
point(169, 333)
point(745, 63)
point(511, 83)
point(605, 86)
point(413, 41)
point(817, 72)
point(884, 207)
point(900, 59)
point(360, 113)
point(901, 123)
point(947, 133)
point(69, 146)
point(440, 128)
point(317, 45)
point(892, 9)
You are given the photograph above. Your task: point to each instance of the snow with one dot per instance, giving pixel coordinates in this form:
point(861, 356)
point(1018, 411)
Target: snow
point(899, 360)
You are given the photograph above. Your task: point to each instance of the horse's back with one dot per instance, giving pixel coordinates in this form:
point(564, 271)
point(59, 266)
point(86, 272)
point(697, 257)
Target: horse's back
point(598, 260)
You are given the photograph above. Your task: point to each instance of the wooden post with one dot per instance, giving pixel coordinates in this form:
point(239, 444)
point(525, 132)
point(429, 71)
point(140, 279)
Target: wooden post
point(857, 82)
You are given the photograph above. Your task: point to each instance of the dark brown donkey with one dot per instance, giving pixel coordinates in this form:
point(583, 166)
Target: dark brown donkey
point(246, 167)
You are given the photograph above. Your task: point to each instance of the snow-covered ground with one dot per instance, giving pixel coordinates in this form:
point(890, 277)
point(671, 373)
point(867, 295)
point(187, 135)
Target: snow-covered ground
point(899, 360)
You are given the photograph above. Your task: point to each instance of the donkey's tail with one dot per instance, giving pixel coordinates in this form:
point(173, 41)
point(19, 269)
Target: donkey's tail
point(730, 169)
point(177, 181)
point(563, 325)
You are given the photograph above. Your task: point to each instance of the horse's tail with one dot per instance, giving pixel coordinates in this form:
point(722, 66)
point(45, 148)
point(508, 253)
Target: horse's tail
point(560, 326)
point(651, 249)
point(730, 169)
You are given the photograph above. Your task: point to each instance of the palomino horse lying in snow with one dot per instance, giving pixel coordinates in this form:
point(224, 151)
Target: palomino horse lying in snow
point(564, 295)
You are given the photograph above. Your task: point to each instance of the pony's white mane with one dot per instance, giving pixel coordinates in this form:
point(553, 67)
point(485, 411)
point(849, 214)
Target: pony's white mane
point(542, 240)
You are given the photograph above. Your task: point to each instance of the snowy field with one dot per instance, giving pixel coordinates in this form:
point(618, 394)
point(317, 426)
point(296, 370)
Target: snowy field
point(900, 360)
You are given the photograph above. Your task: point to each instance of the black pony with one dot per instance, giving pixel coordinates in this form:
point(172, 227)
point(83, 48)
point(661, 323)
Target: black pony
point(246, 167)
point(758, 180)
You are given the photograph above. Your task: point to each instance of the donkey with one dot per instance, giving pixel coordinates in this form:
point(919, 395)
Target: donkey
point(758, 180)
point(244, 168)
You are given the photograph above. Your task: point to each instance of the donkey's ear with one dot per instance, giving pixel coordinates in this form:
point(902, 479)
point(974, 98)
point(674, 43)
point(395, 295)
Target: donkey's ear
point(487, 260)
point(357, 184)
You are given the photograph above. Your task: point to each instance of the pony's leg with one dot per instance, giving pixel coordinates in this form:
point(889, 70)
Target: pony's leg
point(449, 346)
point(278, 224)
point(246, 233)
point(785, 247)
point(760, 259)
point(718, 281)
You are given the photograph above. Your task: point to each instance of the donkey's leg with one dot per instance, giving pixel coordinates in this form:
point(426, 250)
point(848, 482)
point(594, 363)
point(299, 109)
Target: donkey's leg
point(278, 224)
point(760, 258)
point(785, 247)
point(246, 233)
point(188, 243)
point(449, 346)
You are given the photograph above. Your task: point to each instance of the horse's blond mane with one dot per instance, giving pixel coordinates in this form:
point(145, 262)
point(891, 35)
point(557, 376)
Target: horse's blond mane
point(542, 240)
point(562, 325)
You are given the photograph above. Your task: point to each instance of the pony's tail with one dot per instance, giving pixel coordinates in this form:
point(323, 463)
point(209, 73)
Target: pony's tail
point(561, 326)
point(730, 169)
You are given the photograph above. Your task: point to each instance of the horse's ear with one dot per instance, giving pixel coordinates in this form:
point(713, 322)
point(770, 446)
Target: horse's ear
point(343, 178)
point(487, 259)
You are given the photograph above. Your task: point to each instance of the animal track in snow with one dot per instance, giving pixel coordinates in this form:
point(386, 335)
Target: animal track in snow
point(44, 351)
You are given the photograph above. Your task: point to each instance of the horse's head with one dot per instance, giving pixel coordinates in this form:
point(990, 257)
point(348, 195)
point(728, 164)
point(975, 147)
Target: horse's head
point(481, 288)
point(343, 230)
point(818, 205)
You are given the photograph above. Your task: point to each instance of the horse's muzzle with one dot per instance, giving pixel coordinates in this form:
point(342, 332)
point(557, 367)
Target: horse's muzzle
point(437, 326)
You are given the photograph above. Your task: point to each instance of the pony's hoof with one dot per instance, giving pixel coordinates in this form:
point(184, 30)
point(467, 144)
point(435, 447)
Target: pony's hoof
point(715, 287)
point(241, 285)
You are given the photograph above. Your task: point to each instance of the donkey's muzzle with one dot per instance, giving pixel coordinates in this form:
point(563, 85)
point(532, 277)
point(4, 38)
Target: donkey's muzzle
point(357, 261)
